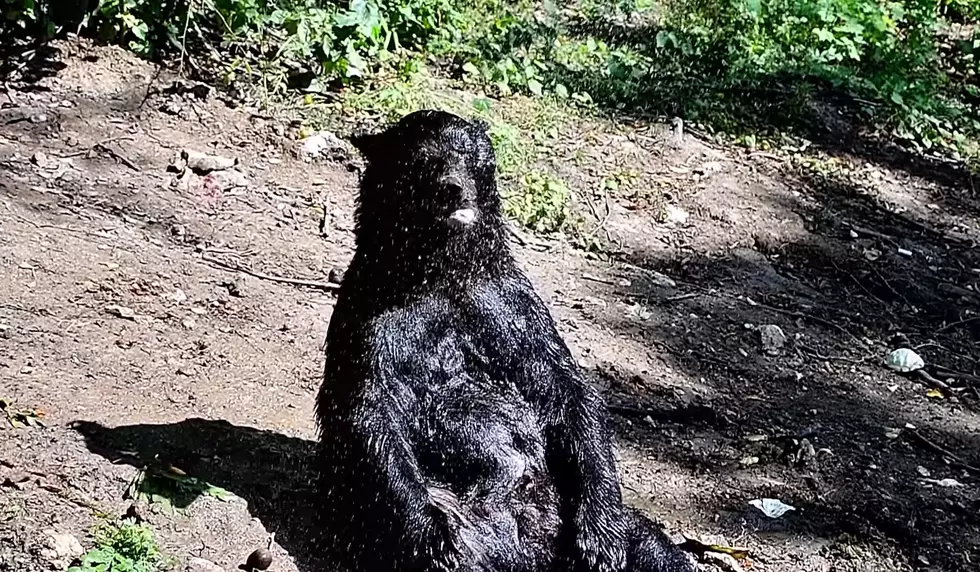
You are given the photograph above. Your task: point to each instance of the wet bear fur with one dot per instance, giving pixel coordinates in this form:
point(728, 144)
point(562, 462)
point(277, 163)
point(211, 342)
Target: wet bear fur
point(456, 430)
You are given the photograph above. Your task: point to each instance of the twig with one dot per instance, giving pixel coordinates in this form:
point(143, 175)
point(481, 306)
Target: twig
point(183, 37)
point(600, 220)
point(526, 240)
point(873, 233)
point(100, 144)
point(953, 374)
point(162, 143)
point(592, 278)
point(953, 459)
point(149, 86)
point(295, 281)
point(767, 156)
point(116, 155)
point(627, 410)
point(795, 314)
point(945, 349)
point(64, 228)
point(681, 297)
point(930, 380)
point(103, 146)
point(959, 323)
point(818, 355)
point(858, 282)
point(889, 286)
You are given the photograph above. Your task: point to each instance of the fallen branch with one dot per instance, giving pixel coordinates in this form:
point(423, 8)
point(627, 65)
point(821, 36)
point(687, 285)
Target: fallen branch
point(283, 280)
point(710, 292)
point(803, 315)
point(116, 155)
point(66, 229)
point(953, 374)
point(959, 323)
point(860, 230)
point(953, 459)
point(932, 381)
point(815, 354)
point(102, 146)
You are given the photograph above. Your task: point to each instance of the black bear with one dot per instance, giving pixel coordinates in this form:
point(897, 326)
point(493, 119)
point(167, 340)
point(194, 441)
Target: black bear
point(456, 430)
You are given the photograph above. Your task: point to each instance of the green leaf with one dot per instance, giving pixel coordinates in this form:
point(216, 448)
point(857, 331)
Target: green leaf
point(561, 91)
point(218, 493)
point(897, 98)
point(481, 104)
point(535, 86)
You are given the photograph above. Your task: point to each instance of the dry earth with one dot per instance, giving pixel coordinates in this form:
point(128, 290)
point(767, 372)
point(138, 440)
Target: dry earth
point(122, 319)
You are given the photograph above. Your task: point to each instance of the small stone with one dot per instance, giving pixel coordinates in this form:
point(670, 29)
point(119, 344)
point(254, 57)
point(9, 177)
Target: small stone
point(772, 338)
point(60, 549)
point(229, 179)
point(121, 311)
point(177, 295)
point(236, 288)
point(675, 215)
point(336, 275)
point(202, 565)
point(323, 145)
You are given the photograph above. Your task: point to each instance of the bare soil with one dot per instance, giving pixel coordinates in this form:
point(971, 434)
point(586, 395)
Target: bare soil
point(124, 320)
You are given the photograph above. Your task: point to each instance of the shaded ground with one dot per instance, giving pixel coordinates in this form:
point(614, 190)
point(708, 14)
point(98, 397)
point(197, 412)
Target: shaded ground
point(214, 370)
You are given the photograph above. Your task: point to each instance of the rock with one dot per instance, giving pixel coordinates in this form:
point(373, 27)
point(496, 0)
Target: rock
point(766, 242)
point(121, 311)
point(171, 107)
point(177, 295)
point(202, 565)
point(323, 145)
point(676, 132)
point(203, 164)
point(771, 338)
point(675, 215)
point(186, 87)
point(336, 275)
point(229, 179)
point(236, 288)
point(60, 549)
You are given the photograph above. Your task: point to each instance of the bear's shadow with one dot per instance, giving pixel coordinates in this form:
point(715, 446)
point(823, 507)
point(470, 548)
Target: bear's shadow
point(271, 471)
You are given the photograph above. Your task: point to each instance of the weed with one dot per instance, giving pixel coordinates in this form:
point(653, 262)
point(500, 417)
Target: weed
point(123, 547)
point(541, 203)
point(170, 488)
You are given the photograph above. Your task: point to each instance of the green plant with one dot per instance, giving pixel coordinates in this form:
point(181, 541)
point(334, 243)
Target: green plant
point(885, 52)
point(170, 488)
point(540, 203)
point(123, 547)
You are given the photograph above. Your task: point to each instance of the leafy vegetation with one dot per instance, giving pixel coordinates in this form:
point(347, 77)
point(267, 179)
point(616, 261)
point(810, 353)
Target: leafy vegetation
point(20, 418)
point(123, 547)
point(901, 69)
point(170, 488)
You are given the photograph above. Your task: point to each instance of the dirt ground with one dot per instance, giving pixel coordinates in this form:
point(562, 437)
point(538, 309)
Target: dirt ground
point(123, 318)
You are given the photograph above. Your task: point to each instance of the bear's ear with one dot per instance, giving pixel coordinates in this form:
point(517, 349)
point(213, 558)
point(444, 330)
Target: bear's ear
point(368, 144)
point(480, 124)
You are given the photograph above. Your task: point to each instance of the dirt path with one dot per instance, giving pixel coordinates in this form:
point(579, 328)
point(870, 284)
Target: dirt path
point(117, 322)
